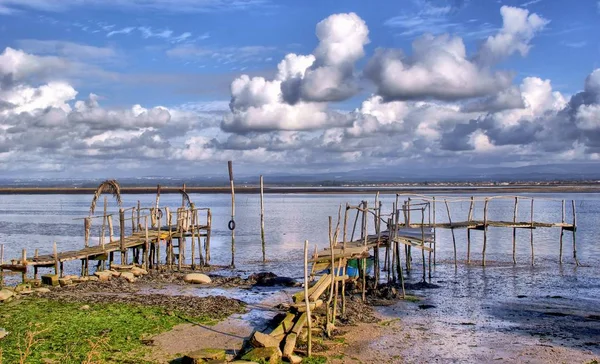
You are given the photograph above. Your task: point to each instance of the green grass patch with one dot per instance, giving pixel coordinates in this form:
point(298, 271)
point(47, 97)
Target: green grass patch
point(65, 333)
point(315, 359)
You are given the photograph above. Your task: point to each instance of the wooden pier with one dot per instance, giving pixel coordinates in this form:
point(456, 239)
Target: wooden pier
point(142, 235)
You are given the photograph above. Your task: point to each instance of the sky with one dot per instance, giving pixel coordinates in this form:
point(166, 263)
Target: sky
point(126, 88)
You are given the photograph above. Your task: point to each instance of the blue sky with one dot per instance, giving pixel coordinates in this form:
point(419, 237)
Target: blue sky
point(183, 55)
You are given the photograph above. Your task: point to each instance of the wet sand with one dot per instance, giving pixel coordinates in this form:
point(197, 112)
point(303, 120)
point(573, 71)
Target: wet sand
point(499, 314)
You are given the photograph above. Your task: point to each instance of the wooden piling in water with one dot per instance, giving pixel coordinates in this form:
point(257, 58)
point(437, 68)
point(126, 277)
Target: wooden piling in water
point(262, 218)
point(208, 233)
point(146, 243)
point(485, 226)
point(122, 235)
point(531, 234)
point(469, 219)
point(574, 233)
point(232, 221)
point(306, 300)
point(452, 230)
point(562, 231)
point(1, 263)
point(24, 263)
point(104, 217)
point(514, 232)
point(434, 233)
point(423, 240)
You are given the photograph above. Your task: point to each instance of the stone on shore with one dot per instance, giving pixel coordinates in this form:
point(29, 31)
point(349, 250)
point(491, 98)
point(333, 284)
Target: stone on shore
point(103, 276)
point(203, 355)
point(138, 271)
point(5, 294)
point(264, 355)
point(50, 279)
point(197, 278)
point(128, 276)
point(260, 340)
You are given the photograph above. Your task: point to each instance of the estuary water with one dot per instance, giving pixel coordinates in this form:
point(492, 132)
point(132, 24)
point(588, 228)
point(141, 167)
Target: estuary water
point(36, 221)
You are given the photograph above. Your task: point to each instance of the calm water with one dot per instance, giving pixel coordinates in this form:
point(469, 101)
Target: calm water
point(35, 221)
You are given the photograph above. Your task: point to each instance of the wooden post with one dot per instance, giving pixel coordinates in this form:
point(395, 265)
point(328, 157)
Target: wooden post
point(104, 217)
point(531, 234)
point(365, 237)
point(306, 300)
point(87, 223)
point(24, 264)
point(208, 233)
point(400, 273)
point(469, 219)
point(132, 221)
point(574, 233)
point(139, 217)
point(355, 222)
point(262, 217)
point(55, 253)
point(408, 248)
point(122, 235)
point(1, 263)
point(232, 221)
point(514, 232)
point(344, 236)
point(423, 240)
point(157, 247)
point(434, 232)
point(485, 226)
point(111, 230)
point(331, 285)
point(562, 230)
point(452, 230)
point(193, 266)
point(378, 228)
point(146, 243)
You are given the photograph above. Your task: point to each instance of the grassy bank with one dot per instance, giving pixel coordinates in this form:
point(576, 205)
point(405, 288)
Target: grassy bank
point(46, 331)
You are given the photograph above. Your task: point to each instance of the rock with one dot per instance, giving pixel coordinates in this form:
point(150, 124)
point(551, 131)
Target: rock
point(197, 278)
point(128, 276)
point(3, 333)
point(71, 277)
point(290, 345)
point(203, 355)
point(5, 294)
point(41, 290)
point(92, 279)
point(294, 359)
point(114, 273)
point(103, 276)
point(65, 282)
point(84, 307)
point(269, 279)
point(138, 271)
point(263, 355)
point(260, 340)
point(34, 282)
point(50, 279)
point(80, 279)
point(23, 287)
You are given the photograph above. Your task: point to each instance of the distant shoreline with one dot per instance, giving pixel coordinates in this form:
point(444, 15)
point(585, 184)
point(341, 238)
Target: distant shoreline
point(455, 189)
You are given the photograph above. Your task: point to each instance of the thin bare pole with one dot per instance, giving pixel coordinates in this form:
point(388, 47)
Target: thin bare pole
point(531, 234)
point(344, 236)
point(1, 263)
point(262, 217)
point(452, 230)
point(485, 226)
point(423, 239)
point(574, 233)
point(562, 232)
point(232, 221)
point(514, 233)
point(469, 218)
point(122, 235)
point(146, 243)
point(434, 232)
point(365, 237)
point(104, 221)
point(306, 300)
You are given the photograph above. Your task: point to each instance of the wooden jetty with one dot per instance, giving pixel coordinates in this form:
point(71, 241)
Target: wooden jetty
point(142, 235)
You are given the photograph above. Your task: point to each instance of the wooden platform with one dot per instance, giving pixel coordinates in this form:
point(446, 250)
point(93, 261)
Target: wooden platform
point(136, 240)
